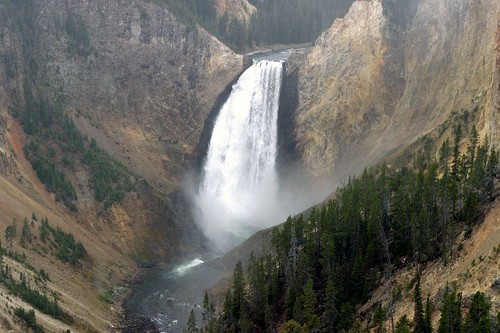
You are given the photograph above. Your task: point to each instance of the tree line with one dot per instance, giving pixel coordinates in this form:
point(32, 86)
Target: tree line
point(325, 264)
point(274, 21)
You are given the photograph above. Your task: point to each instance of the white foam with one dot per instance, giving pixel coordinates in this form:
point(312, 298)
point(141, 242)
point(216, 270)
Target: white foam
point(181, 270)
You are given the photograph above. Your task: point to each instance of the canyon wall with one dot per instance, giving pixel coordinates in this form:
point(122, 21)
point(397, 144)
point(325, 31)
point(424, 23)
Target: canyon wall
point(389, 72)
point(140, 83)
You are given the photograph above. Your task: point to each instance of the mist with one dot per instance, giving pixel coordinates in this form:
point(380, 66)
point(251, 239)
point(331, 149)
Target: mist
point(240, 191)
point(227, 223)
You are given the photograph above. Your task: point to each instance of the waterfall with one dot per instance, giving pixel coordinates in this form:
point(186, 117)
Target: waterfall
point(238, 191)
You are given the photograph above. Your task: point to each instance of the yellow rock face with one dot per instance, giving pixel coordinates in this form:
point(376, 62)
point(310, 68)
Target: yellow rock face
point(384, 75)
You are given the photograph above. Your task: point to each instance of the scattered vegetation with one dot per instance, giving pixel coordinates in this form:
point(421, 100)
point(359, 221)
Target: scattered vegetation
point(50, 174)
point(67, 249)
point(109, 178)
point(29, 319)
point(40, 301)
point(107, 297)
point(55, 145)
point(326, 263)
point(29, 286)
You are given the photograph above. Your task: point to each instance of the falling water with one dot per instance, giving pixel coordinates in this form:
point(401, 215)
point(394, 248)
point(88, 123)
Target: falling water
point(238, 192)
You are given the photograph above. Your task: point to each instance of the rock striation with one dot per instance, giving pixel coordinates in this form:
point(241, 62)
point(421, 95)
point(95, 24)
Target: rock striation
point(390, 71)
point(142, 83)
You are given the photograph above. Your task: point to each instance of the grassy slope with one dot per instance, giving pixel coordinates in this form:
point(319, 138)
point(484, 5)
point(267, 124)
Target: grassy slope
point(78, 288)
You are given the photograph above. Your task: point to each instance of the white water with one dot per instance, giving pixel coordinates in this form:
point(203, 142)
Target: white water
point(182, 269)
point(238, 192)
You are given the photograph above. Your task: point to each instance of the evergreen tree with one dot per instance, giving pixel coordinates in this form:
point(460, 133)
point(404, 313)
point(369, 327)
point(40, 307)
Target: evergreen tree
point(44, 230)
point(418, 317)
point(357, 327)
point(258, 290)
point(191, 324)
point(309, 300)
point(239, 301)
point(291, 326)
point(451, 313)
point(26, 232)
point(378, 319)
point(346, 316)
point(428, 316)
point(206, 314)
point(403, 325)
point(478, 318)
point(330, 315)
point(227, 320)
point(10, 233)
point(325, 263)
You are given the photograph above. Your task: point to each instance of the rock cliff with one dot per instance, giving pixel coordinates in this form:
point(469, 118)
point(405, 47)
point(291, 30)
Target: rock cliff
point(140, 83)
point(147, 84)
point(241, 10)
point(390, 71)
point(133, 78)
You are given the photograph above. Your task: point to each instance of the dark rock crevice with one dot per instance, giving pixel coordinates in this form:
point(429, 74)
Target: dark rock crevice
point(289, 101)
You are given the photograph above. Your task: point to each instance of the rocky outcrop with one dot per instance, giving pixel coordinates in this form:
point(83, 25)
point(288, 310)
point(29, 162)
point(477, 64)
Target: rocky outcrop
point(142, 84)
point(388, 72)
point(240, 10)
point(339, 86)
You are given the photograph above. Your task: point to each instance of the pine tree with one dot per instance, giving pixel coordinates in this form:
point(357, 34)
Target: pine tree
point(378, 319)
point(330, 314)
point(403, 325)
point(291, 326)
point(10, 233)
point(239, 301)
point(418, 318)
point(472, 147)
point(206, 315)
point(26, 232)
point(191, 324)
point(346, 316)
point(428, 316)
point(357, 327)
point(456, 151)
point(309, 301)
point(226, 317)
point(478, 318)
point(451, 315)
point(258, 290)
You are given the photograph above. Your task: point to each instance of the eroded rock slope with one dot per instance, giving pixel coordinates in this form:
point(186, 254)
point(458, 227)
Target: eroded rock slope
point(389, 72)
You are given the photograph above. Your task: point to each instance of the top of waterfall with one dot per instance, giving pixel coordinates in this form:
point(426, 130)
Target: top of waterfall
point(280, 55)
point(256, 61)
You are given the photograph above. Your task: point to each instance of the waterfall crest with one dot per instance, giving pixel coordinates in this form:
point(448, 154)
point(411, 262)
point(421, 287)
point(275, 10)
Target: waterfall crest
point(238, 190)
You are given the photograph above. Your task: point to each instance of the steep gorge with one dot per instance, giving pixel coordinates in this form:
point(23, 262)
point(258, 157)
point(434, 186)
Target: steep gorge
point(142, 84)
